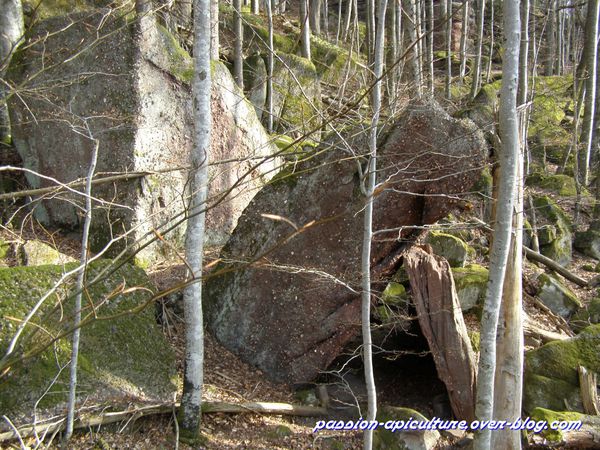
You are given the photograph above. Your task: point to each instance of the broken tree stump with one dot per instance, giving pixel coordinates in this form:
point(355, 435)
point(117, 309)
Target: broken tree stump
point(442, 324)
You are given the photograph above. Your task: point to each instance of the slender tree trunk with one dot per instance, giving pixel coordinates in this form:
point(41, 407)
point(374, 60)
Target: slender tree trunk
point(522, 95)
point(413, 36)
point(463, 40)
point(315, 16)
point(488, 71)
point(281, 5)
point(551, 43)
point(420, 41)
point(392, 53)
point(430, 22)
point(238, 42)
point(338, 31)
point(270, 64)
point(590, 54)
point(214, 30)
point(509, 161)
point(325, 18)
point(255, 6)
point(476, 82)
point(12, 28)
point(305, 29)
point(348, 20)
point(191, 400)
point(79, 289)
point(447, 5)
point(368, 225)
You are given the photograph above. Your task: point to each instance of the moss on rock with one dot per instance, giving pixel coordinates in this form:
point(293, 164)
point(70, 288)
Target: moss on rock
point(470, 282)
point(126, 357)
point(556, 296)
point(563, 185)
point(558, 249)
point(551, 379)
point(454, 249)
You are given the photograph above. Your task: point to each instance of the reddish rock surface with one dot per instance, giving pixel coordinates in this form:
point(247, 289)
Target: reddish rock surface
point(288, 300)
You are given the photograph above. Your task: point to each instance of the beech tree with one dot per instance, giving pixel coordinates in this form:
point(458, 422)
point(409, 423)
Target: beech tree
point(503, 230)
point(191, 400)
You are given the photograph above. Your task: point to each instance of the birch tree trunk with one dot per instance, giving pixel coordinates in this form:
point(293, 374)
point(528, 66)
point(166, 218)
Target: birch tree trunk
point(476, 82)
point(238, 42)
point(590, 54)
point(463, 40)
point(368, 225)
point(522, 93)
point(270, 64)
point(191, 400)
point(214, 30)
point(447, 9)
point(305, 30)
point(430, 22)
point(12, 28)
point(255, 6)
point(315, 16)
point(509, 161)
point(79, 289)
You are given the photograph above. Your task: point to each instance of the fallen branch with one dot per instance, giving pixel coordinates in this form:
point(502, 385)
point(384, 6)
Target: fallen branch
point(91, 420)
point(532, 330)
point(555, 266)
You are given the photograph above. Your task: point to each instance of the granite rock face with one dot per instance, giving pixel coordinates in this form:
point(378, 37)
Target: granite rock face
point(286, 296)
point(128, 87)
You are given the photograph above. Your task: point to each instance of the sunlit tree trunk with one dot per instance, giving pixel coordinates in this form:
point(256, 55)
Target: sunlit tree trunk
point(551, 40)
point(325, 18)
point(270, 64)
point(430, 22)
point(348, 19)
point(503, 226)
point(476, 82)
point(255, 6)
point(193, 377)
point(214, 29)
point(488, 71)
point(463, 40)
point(590, 55)
point(368, 225)
point(315, 16)
point(413, 35)
point(11, 33)
point(392, 52)
point(305, 29)
point(238, 42)
point(523, 93)
point(447, 10)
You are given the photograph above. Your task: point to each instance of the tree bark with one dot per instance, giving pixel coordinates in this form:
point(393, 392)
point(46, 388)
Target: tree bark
point(270, 65)
point(305, 29)
point(509, 162)
point(476, 82)
point(442, 324)
point(447, 5)
point(238, 42)
point(315, 16)
point(430, 22)
point(463, 40)
point(368, 223)
point(414, 36)
point(191, 400)
point(214, 30)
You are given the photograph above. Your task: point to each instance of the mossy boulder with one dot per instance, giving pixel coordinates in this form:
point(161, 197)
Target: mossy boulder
point(403, 440)
point(558, 249)
point(586, 316)
point(455, 250)
point(37, 253)
point(561, 184)
point(588, 242)
point(549, 416)
point(121, 359)
point(471, 283)
point(255, 82)
point(556, 296)
point(296, 94)
point(551, 380)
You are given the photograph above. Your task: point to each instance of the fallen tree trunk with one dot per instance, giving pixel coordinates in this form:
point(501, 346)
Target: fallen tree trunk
point(555, 266)
point(103, 418)
point(441, 321)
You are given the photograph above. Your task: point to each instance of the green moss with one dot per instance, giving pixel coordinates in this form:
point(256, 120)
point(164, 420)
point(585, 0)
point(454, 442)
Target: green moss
point(551, 371)
point(475, 339)
point(4, 248)
point(127, 355)
point(471, 283)
point(394, 294)
point(550, 416)
point(563, 185)
point(181, 65)
point(454, 249)
point(44, 9)
point(560, 248)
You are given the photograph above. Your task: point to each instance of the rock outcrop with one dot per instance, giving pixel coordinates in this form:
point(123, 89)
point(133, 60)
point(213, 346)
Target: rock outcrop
point(286, 296)
point(107, 79)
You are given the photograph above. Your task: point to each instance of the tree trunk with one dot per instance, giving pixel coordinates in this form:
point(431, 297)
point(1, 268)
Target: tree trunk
point(488, 70)
point(305, 29)
point(509, 161)
point(12, 26)
point(590, 55)
point(430, 22)
point(391, 54)
point(447, 4)
point(476, 82)
point(270, 64)
point(325, 18)
point(551, 42)
point(214, 30)
point(348, 20)
point(255, 6)
point(522, 94)
point(442, 324)
point(413, 36)
point(315, 16)
point(368, 224)
point(463, 40)
point(191, 400)
point(238, 42)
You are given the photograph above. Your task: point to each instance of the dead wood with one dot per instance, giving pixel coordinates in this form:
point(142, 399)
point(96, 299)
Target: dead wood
point(531, 329)
point(587, 436)
point(441, 321)
point(103, 418)
point(588, 386)
point(555, 267)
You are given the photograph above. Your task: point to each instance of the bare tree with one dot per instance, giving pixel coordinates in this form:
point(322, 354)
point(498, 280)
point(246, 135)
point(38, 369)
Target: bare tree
point(315, 16)
point(238, 42)
point(305, 30)
point(270, 63)
point(414, 36)
point(255, 6)
point(11, 33)
point(430, 22)
point(476, 81)
point(447, 14)
point(463, 40)
point(509, 168)
point(214, 30)
point(191, 400)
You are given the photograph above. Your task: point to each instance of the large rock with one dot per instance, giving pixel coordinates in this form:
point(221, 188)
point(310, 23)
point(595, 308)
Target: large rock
point(556, 296)
point(551, 380)
point(588, 242)
point(122, 359)
point(133, 95)
point(556, 236)
point(292, 310)
point(454, 249)
point(471, 284)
